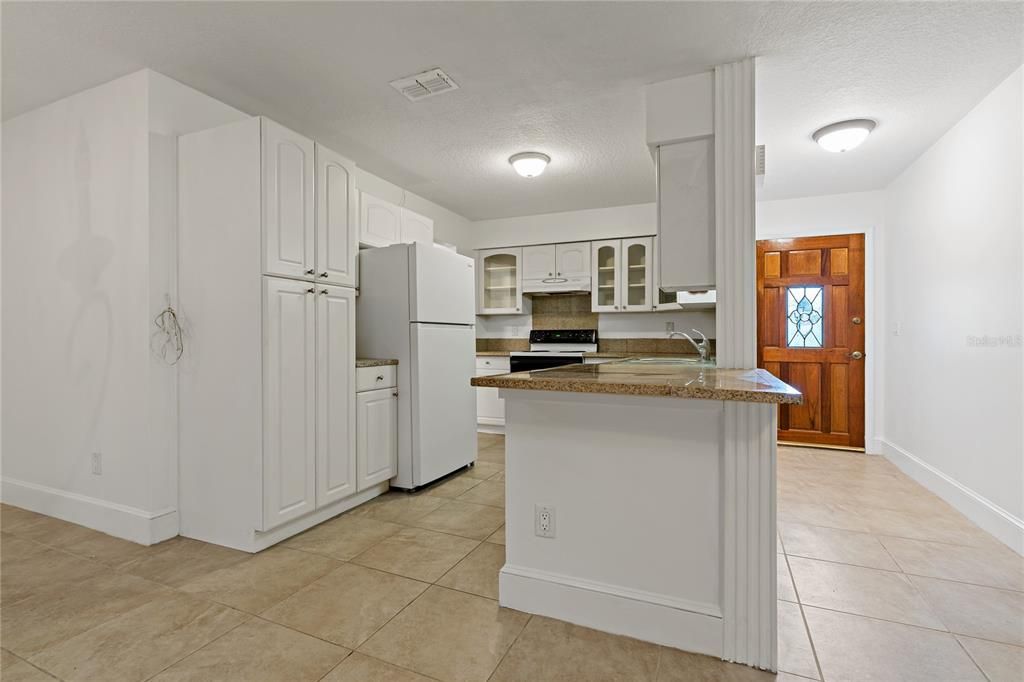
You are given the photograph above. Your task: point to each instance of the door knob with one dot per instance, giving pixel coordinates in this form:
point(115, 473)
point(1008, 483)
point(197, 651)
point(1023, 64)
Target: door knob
point(856, 355)
point(856, 320)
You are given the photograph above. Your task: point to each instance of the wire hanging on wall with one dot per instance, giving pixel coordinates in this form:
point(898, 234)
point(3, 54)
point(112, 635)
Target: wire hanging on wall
point(168, 341)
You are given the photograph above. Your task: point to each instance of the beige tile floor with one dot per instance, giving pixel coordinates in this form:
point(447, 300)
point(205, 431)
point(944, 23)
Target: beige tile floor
point(878, 580)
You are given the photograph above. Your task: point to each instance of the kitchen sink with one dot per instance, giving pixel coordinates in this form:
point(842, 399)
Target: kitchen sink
point(696, 362)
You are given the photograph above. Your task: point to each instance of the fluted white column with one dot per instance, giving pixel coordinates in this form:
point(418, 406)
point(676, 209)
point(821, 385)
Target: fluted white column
point(735, 275)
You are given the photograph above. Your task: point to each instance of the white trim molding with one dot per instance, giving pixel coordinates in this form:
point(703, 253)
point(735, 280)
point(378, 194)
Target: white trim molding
point(657, 618)
point(987, 514)
point(735, 237)
point(750, 629)
point(130, 523)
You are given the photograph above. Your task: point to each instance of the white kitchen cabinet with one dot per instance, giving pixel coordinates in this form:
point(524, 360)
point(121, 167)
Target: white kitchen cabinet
point(573, 259)
point(335, 378)
point(380, 222)
point(605, 278)
point(288, 187)
point(289, 400)
point(622, 272)
point(686, 216)
point(377, 436)
point(490, 408)
point(500, 282)
point(336, 219)
point(539, 262)
point(416, 228)
point(636, 276)
point(267, 384)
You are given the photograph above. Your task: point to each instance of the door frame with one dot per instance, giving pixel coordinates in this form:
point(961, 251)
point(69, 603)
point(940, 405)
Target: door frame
point(873, 324)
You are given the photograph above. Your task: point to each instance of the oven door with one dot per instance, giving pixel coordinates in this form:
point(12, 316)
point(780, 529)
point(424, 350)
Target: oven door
point(527, 362)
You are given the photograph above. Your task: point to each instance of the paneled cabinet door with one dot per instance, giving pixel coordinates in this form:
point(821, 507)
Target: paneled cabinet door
point(539, 262)
point(416, 228)
point(605, 267)
point(499, 282)
point(289, 397)
point(490, 408)
point(380, 222)
point(336, 394)
point(636, 275)
point(573, 260)
point(288, 213)
point(377, 436)
point(336, 217)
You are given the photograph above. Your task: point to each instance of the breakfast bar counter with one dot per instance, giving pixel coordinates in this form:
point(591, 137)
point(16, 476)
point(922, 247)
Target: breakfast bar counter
point(640, 500)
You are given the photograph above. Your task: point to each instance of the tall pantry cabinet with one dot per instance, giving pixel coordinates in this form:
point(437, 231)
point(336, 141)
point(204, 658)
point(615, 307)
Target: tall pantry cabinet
point(267, 270)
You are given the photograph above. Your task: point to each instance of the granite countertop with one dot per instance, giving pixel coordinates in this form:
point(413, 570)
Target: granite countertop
point(669, 381)
point(372, 362)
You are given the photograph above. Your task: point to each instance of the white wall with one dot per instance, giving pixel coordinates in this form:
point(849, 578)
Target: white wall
point(86, 267)
point(635, 220)
point(953, 272)
point(851, 213)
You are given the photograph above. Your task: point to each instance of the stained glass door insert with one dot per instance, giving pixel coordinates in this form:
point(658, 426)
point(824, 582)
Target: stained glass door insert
point(804, 316)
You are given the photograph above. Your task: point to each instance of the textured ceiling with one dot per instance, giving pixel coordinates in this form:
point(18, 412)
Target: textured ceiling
point(563, 78)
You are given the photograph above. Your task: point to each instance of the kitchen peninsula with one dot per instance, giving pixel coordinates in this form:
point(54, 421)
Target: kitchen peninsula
point(628, 507)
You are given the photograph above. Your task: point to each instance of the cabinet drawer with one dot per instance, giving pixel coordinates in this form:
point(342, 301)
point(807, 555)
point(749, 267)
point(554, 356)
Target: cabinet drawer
point(370, 378)
point(492, 362)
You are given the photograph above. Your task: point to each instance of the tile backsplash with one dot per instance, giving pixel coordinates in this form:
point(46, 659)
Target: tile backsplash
point(563, 312)
point(630, 346)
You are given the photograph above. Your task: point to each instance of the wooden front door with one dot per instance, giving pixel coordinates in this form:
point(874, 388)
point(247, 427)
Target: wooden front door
point(810, 328)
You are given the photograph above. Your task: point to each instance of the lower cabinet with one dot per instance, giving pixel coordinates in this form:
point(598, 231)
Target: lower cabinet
point(376, 436)
point(490, 409)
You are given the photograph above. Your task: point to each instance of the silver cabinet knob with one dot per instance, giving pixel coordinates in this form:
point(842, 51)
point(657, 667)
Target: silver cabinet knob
point(856, 355)
point(311, 271)
point(311, 290)
point(323, 274)
point(323, 292)
point(395, 394)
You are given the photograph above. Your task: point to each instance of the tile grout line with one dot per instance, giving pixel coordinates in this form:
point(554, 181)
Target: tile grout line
point(519, 634)
point(803, 618)
point(976, 664)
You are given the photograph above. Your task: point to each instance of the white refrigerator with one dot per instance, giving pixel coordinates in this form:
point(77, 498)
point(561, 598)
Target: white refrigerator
point(416, 304)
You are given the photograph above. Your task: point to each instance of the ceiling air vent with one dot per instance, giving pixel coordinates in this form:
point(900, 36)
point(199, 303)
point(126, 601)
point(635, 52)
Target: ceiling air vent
point(426, 84)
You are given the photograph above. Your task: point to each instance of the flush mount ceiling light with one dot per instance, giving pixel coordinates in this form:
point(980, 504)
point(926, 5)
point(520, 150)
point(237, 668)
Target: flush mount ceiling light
point(529, 164)
point(844, 135)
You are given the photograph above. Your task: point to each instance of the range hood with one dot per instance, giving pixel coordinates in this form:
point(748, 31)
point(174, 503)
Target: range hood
point(557, 285)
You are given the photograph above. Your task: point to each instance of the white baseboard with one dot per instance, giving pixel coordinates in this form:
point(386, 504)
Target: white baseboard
point(491, 426)
point(989, 516)
point(645, 616)
point(130, 523)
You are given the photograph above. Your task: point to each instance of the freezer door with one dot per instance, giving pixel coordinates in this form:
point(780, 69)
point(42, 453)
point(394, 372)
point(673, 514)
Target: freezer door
point(443, 403)
point(443, 286)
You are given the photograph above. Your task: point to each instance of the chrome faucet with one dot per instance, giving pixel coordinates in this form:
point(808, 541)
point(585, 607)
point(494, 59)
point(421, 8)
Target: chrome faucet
point(703, 348)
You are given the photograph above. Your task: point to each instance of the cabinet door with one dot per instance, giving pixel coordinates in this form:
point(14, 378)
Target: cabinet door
point(288, 214)
point(573, 259)
point(686, 216)
point(490, 409)
point(605, 256)
point(335, 219)
point(539, 262)
point(380, 222)
point(377, 436)
point(636, 274)
point(499, 281)
point(289, 396)
point(416, 228)
point(335, 394)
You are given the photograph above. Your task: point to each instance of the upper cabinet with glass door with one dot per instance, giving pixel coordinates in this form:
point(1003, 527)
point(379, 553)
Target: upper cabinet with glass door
point(637, 274)
point(605, 266)
point(500, 282)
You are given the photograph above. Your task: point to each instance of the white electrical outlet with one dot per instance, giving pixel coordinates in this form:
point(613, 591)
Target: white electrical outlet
point(670, 326)
point(544, 521)
point(97, 463)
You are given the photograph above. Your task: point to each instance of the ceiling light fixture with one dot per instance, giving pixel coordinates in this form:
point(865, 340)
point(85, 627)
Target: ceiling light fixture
point(844, 135)
point(529, 164)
